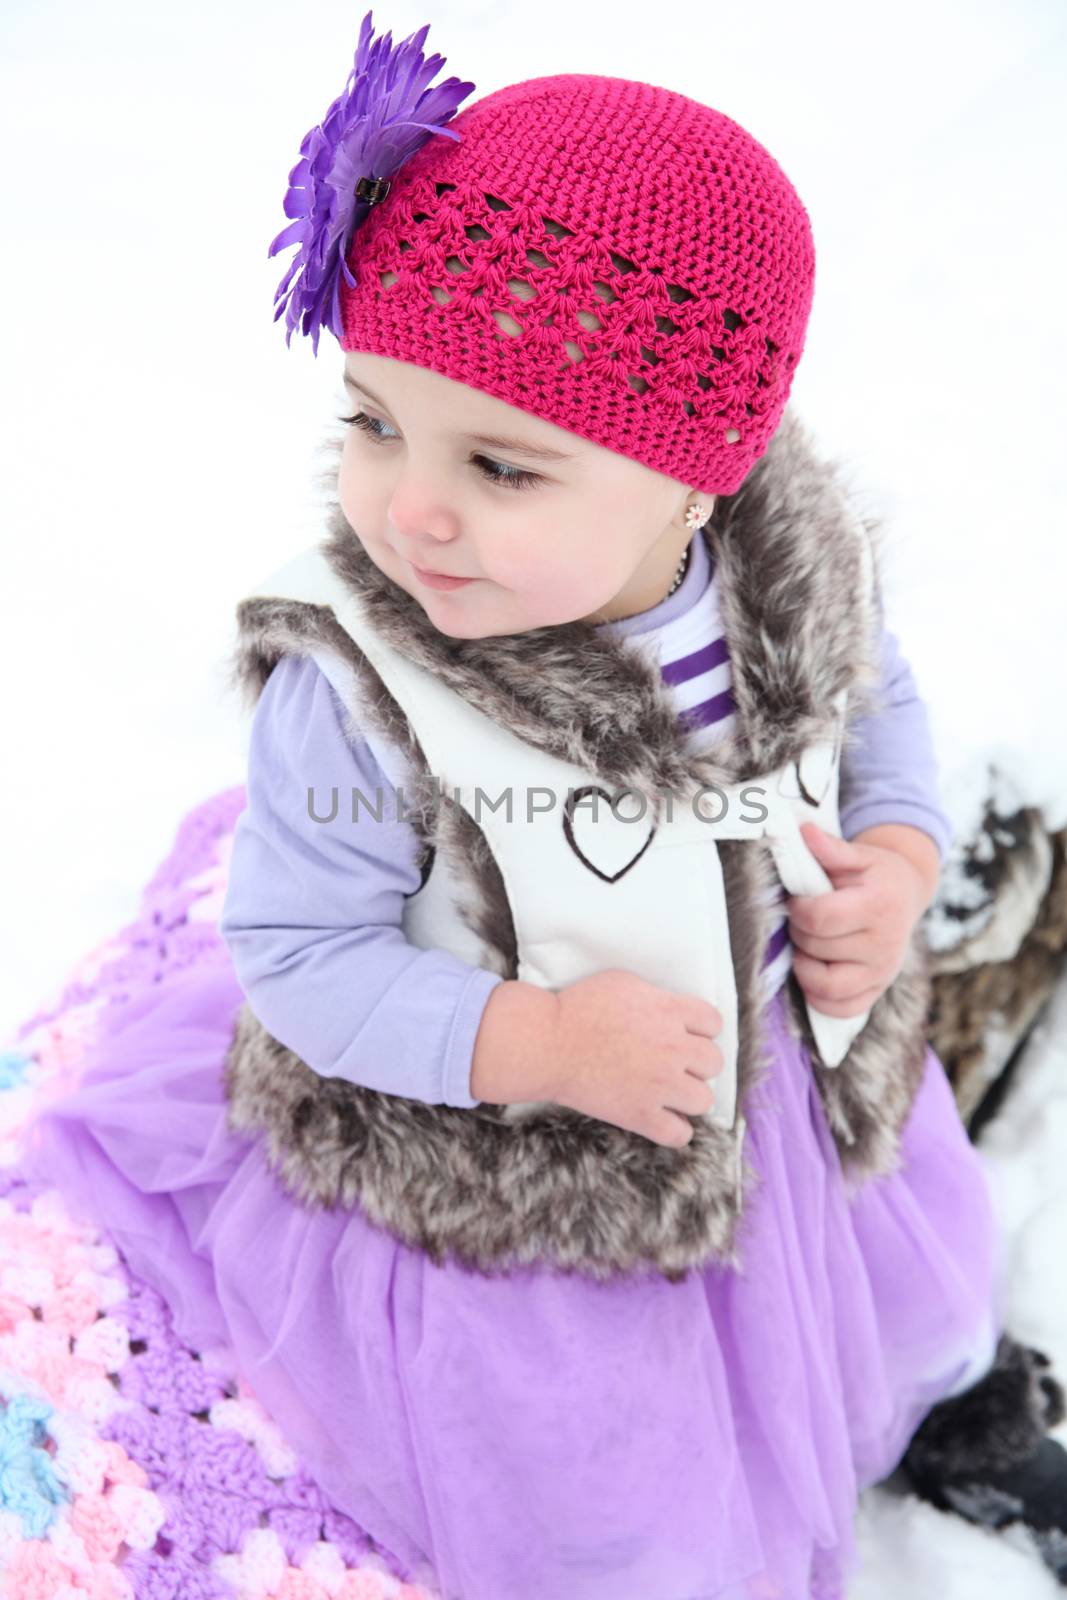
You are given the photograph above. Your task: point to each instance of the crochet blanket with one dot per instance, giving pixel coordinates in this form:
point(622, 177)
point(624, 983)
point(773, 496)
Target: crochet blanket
point(131, 1466)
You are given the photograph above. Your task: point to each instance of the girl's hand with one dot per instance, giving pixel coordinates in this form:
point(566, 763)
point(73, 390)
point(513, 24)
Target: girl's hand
point(849, 943)
point(636, 1055)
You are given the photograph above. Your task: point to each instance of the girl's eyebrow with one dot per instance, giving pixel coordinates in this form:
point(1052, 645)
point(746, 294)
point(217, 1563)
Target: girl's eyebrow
point(493, 441)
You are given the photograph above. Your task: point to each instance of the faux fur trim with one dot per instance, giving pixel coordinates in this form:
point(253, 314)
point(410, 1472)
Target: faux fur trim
point(557, 1186)
point(869, 1096)
point(784, 556)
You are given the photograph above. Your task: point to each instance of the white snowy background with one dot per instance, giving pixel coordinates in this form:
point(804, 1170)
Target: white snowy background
point(158, 439)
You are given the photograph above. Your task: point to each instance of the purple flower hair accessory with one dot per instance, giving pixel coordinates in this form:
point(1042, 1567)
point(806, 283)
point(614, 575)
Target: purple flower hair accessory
point(345, 164)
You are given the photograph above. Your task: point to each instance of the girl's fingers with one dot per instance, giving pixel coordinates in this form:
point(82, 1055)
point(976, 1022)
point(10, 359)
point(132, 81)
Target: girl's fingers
point(848, 1008)
point(847, 947)
point(847, 983)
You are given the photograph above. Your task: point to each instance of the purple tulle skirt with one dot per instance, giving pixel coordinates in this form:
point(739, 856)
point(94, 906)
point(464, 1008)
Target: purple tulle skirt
point(543, 1436)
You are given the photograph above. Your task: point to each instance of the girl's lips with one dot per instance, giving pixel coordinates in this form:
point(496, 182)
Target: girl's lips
point(434, 580)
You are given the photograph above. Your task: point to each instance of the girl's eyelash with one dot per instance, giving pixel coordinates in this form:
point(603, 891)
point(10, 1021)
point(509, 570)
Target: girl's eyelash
point(497, 472)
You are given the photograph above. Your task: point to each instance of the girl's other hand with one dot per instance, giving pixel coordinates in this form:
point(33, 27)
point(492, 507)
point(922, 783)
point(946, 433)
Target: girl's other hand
point(849, 943)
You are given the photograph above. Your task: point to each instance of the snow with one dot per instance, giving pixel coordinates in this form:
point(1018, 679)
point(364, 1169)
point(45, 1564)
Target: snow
point(159, 439)
point(906, 1545)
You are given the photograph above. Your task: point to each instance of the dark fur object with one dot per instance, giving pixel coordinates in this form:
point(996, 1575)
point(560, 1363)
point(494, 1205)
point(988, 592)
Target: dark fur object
point(986, 1454)
point(559, 1187)
point(994, 1425)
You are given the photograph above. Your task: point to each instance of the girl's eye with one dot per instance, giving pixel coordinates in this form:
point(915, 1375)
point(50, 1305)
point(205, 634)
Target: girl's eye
point(496, 471)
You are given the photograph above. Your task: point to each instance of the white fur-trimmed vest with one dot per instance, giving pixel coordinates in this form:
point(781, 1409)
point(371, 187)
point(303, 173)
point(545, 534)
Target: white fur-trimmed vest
point(551, 890)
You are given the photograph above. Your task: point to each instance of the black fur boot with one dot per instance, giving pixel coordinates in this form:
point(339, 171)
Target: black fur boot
point(984, 1453)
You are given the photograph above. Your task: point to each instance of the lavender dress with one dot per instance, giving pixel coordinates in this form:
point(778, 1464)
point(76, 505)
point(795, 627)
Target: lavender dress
point(537, 1436)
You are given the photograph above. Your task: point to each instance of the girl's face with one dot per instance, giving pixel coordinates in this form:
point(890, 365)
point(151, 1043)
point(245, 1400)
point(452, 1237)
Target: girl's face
point(432, 476)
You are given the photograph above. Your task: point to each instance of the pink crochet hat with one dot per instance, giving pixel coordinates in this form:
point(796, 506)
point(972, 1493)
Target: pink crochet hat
point(611, 256)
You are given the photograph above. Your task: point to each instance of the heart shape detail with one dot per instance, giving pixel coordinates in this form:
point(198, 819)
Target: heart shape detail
point(606, 835)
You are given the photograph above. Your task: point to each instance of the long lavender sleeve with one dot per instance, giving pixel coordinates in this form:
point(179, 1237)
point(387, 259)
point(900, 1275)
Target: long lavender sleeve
point(891, 775)
point(312, 913)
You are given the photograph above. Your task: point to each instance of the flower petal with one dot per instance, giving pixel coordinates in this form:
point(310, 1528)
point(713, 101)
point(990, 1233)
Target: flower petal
point(386, 111)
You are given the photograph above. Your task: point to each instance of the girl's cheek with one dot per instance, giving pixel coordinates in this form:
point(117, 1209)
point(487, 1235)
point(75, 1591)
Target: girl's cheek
point(351, 491)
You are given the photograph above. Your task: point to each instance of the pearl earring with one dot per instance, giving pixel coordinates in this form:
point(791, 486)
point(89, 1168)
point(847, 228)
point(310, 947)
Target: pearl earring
point(695, 516)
